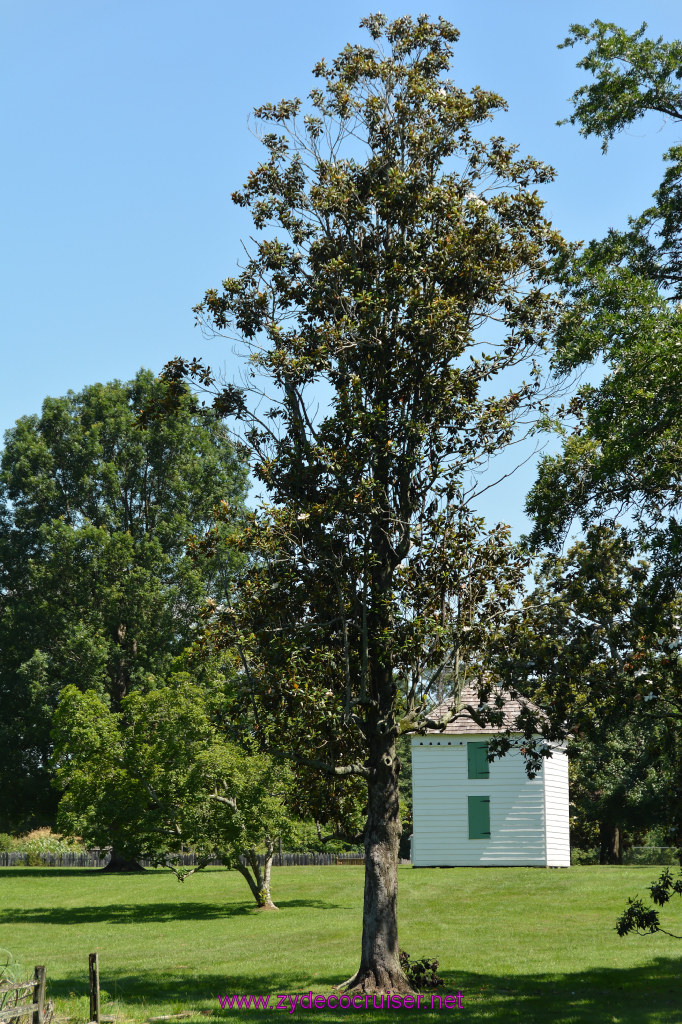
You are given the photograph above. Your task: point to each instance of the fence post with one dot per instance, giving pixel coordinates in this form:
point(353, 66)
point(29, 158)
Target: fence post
point(39, 995)
point(93, 961)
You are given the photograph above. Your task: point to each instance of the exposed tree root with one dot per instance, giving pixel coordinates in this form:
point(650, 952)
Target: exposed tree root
point(380, 981)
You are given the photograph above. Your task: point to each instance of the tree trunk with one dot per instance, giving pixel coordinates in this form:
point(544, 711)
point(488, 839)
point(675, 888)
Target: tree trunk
point(379, 964)
point(259, 881)
point(609, 843)
point(118, 862)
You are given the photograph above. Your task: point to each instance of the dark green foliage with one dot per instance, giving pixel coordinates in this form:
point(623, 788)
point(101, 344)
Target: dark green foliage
point(101, 584)
point(621, 784)
point(597, 644)
point(640, 919)
point(422, 973)
point(634, 75)
point(158, 777)
point(621, 306)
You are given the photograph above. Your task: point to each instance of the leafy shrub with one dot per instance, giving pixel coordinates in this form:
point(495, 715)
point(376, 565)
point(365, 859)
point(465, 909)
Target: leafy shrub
point(421, 974)
point(584, 856)
point(41, 840)
point(8, 843)
point(652, 855)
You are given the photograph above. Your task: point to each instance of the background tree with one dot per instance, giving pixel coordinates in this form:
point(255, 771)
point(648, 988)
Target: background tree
point(599, 650)
point(623, 461)
point(157, 777)
point(413, 267)
point(98, 585)
point(622, 307)
point(619, 785)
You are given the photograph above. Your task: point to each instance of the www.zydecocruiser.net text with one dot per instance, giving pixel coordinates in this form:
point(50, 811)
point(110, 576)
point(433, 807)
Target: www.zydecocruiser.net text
point(308, 1001)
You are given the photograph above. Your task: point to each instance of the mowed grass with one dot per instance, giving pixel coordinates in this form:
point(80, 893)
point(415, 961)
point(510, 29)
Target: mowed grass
point(521, 944)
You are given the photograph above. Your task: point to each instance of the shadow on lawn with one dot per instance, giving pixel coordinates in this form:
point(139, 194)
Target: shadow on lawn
point(145, 913)
point(19, 871)
point(641, 995)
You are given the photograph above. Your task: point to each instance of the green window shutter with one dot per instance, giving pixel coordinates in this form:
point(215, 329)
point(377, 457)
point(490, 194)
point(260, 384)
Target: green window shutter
point(479, 817)
point(477, 758)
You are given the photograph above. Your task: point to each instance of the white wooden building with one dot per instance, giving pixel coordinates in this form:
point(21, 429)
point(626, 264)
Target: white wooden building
point(471, 812)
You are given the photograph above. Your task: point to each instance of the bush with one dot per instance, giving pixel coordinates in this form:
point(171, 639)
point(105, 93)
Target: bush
point(652, 855)
point(41, 840)
point(584, 856)
point(421, 974)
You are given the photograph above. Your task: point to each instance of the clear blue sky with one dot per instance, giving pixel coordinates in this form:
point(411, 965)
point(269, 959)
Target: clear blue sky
point(125, 132)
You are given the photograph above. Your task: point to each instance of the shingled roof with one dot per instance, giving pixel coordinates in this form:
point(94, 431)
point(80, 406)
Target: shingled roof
point(464, 723)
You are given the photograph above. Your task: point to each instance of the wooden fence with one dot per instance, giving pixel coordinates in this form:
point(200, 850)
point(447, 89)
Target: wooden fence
point(12, 999)
point(89, 859)
point(100, 858)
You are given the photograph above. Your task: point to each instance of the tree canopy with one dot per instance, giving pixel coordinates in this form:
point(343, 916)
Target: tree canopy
point(596, 646)
point(99, 585)
point(157, 778)
point(622, 307)
point(618, 475)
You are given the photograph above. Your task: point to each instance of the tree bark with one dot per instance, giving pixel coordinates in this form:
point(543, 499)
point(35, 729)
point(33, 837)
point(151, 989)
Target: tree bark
point(119, 863)
point(259, 881)
point(609, 843)
point(380, 969)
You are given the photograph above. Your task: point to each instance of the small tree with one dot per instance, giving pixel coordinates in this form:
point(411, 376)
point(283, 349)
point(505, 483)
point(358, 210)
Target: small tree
point(157, 777)
point(413, 269)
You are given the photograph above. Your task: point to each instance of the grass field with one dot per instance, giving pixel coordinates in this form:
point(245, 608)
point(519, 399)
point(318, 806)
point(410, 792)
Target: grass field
point(521, 944)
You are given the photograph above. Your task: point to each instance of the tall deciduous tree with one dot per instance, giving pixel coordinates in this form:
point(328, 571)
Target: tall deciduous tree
point(411, 268)
point(622, 307)
point(624, 460)
point(634, 75)
point(98, 585)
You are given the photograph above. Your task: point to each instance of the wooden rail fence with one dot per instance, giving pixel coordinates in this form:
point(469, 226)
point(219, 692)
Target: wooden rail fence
point(11, 1007)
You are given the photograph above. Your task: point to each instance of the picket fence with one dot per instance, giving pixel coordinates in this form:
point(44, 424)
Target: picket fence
point(100, 858)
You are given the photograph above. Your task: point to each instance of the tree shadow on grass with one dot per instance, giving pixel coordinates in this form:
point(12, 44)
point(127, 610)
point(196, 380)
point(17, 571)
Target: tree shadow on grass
point(640, 995)
point(645, 995)
point(17, 871)
point(146, 913)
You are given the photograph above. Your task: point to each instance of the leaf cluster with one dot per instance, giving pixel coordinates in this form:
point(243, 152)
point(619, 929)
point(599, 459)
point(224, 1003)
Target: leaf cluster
point(642, 920)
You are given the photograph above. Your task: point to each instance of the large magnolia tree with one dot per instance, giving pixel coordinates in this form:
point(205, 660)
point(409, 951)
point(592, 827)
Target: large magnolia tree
point(401, 267)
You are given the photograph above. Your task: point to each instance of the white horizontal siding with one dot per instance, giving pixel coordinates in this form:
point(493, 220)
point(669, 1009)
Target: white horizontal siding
point(440, 789)
point(556, 810)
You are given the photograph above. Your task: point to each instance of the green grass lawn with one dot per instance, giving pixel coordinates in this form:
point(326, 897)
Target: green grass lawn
point(521, 944)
